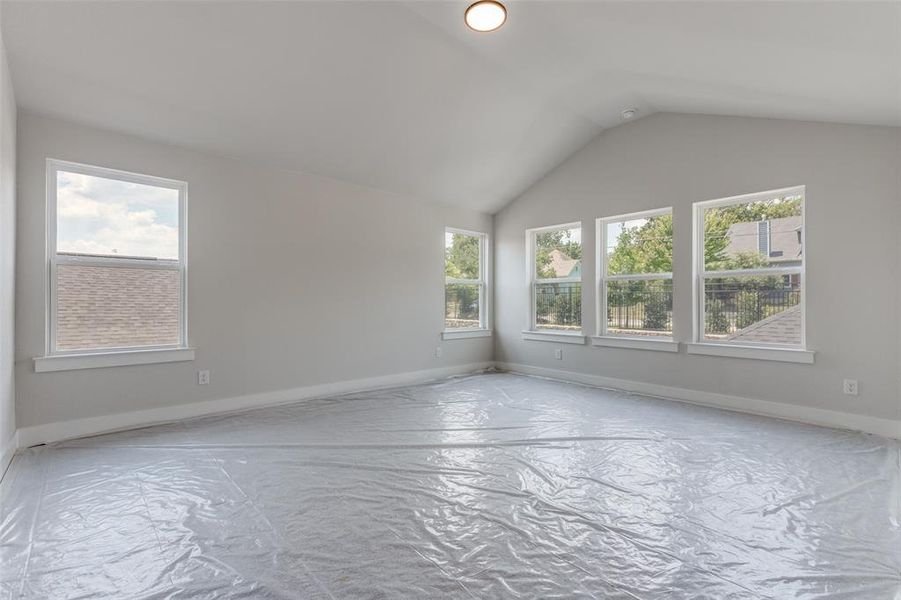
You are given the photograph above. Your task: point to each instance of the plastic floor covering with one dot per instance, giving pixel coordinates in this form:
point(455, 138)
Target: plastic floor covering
point(488, 486)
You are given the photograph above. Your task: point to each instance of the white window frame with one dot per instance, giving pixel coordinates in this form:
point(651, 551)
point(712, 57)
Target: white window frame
point(603, 337)
point(55, 359)
point(483, 330)
point(765, 351)
point(532, 332)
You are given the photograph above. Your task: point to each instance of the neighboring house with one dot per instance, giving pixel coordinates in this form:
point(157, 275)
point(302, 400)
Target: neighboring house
point(779, 240)
point(563, 265)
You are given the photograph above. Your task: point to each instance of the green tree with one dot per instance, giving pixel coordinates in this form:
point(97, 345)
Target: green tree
point(644, 249)
point(648, 248)
point(461, 257)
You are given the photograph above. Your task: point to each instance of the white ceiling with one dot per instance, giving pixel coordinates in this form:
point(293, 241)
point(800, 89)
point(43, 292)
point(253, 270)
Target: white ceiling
point(401, 96)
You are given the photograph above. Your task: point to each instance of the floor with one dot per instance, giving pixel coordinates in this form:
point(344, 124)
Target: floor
point(488, 486)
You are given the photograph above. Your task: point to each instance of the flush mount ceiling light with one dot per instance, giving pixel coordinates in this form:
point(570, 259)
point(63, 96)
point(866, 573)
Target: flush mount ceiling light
point(485, 15)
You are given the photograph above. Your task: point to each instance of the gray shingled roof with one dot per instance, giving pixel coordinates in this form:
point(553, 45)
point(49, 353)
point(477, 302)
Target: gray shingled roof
point(781, 328)
point(109, 307)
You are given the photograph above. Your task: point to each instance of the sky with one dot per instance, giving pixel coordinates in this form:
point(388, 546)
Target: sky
point(96, 215)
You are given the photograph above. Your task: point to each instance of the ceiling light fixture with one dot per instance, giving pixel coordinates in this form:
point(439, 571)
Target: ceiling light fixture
point(485, 15)
point(629, 113)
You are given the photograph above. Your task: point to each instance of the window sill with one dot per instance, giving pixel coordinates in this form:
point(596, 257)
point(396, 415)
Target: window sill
point(760, 353)
point(96, 360)
point(561, 337)
point(465, 334)
point(660, 345)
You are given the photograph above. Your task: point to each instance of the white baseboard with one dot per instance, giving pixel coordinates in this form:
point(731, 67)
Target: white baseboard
point(7, 452)
point(62, 430)
point(54, 432)
point(792, 412)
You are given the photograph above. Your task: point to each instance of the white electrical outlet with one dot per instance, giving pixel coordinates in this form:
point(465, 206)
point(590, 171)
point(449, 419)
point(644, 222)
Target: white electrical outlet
point(203, 377)
point(438, 352)
point(850, 387)
point(558, 353)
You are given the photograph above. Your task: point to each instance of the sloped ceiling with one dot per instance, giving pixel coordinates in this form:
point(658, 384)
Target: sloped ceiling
point(402, 96)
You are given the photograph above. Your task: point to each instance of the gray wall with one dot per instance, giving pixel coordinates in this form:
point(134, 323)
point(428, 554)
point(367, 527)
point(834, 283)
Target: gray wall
point(853, 216)
point(7, 258)
point(294, 280)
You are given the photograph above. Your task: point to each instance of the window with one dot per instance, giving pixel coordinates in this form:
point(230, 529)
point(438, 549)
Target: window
point(749, 261)
point(116, 246)
point(465, 289)
point(555, 271)
point(635, 268)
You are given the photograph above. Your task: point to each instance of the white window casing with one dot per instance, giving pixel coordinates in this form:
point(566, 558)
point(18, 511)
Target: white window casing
point(484, 328)
point(617, 340)
point(701, 344)
point(532, 331)
point(64, 359)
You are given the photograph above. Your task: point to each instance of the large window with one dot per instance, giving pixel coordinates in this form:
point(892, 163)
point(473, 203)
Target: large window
point(749, 264)
point(116, 246)
point(555, 266)
point(635, 268)
point(465, 277)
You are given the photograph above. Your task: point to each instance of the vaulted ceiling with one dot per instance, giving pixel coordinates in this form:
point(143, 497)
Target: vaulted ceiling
point(402, 96)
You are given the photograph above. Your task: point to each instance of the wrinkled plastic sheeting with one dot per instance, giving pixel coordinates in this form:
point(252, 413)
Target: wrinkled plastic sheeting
point(489, 486)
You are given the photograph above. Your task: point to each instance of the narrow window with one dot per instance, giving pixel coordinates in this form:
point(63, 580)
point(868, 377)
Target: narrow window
point(635, 288)
point(465, 289)
point(749, 264)
point(555, 266)
point(116, 264)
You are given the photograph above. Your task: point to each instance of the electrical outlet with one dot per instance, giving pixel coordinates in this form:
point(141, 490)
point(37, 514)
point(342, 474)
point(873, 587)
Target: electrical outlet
point(558, 353)
point(850, 387)
point(203, 377)
point(438, 352)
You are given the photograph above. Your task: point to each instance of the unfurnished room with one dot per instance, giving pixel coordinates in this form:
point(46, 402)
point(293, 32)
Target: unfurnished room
point(427, 299)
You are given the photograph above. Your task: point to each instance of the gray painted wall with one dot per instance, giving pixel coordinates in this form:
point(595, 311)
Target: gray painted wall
point(7, 258)
point(294, 280)
point(853, 216)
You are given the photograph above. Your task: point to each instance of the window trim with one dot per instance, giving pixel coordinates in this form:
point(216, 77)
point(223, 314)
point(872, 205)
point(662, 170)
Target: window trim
point(484, 328)
point(532, 280)
point(602, 277)
point(766, 351)
point(51, 262)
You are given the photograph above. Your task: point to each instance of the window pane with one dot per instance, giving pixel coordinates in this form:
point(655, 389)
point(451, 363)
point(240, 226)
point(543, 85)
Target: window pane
point(461, 255)
point(640, 307)
point(115, 307)
point(558, 253)
point(558, 306)
point(640, 246)
point(461, 306)
point(754, 235)
point(107, 217)
point(748, 309)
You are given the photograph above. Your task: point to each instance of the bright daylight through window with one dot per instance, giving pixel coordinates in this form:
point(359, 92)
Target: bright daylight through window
point(750, 269)
point(116, 260)
point(556, 278)
point(635, 290)
point(465, 282)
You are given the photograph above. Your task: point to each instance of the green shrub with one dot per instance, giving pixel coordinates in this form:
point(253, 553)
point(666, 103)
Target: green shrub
point(750, 309)
point(717, 320)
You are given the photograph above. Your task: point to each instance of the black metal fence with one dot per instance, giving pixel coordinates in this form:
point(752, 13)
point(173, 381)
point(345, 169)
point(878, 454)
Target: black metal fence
point(640, 306)
point(461, 305)
point(731, 305)
point(558, 305)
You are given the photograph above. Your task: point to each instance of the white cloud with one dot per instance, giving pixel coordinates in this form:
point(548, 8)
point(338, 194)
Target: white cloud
point(103, 216)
